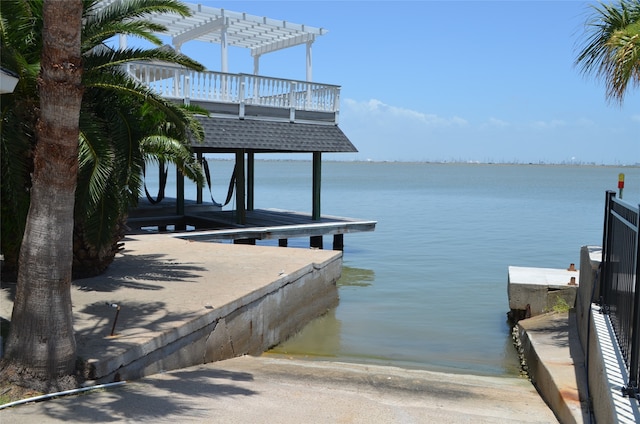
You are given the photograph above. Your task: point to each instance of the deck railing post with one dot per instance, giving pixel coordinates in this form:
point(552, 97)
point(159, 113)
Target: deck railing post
point(223, 87)
point(176, 84)
point(187, 90)
point(241, 98)
point(256, 93)
point(336, 104)
point(292, 101)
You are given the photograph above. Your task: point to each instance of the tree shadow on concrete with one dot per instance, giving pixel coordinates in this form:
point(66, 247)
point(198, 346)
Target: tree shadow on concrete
point(147, 316)
point(140, 272)
point(190, 394)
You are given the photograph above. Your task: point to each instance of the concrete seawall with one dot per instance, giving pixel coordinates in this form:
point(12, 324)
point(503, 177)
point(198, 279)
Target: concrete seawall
point(184, 303)
point(572, 356)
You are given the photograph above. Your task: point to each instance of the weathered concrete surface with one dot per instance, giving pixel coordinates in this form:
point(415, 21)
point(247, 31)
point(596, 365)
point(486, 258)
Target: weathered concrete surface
point(590, 257)
point(537, 290)
point(555, 363)
point(276, 390)
point(184, 303)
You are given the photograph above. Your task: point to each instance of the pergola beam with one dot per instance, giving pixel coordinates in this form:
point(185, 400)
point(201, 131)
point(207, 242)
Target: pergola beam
point(280, 44)
point(213, 25)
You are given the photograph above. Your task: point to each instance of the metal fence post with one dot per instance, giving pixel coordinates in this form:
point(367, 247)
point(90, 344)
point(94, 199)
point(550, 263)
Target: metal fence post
point(634, 362)
point(605, 278)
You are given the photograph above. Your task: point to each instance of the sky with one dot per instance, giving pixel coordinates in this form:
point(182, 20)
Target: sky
point(470, 81)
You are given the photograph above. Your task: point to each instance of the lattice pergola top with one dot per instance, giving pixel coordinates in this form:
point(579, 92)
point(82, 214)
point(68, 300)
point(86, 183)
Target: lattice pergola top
point(258, 34)
point(210, 24)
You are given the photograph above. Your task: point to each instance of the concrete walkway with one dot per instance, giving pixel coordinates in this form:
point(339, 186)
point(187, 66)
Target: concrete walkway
point(268, 390)
point(163, 283)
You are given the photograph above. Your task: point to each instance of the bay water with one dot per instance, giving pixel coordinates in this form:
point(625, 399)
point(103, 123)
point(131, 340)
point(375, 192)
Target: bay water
point(428, 288)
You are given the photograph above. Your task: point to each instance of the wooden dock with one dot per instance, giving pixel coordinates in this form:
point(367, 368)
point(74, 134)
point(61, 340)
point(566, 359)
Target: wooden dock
point(209, 223)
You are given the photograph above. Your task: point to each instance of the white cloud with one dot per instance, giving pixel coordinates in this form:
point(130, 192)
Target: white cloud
point(384, 132)
point(585, 122)
point(494, 123)
point(546, 125)
point(375, 109)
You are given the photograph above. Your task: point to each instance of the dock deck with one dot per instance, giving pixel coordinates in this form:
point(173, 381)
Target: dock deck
point(209, 223)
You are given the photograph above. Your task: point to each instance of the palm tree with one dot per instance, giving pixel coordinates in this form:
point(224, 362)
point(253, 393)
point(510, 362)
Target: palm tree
point(41, 345)
point(122, 125)
point(611, 49)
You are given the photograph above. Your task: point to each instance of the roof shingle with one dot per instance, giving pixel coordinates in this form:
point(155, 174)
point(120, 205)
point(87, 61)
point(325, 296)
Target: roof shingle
point(228, 134)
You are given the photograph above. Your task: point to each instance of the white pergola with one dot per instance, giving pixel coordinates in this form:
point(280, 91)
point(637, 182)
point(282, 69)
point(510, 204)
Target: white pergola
point(260, 35)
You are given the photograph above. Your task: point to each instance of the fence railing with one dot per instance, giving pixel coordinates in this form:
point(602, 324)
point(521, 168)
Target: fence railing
point(179, 83)
point(620, 283)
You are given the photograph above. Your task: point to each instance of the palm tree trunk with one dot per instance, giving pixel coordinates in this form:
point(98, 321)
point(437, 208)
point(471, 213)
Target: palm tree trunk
point(41, 341)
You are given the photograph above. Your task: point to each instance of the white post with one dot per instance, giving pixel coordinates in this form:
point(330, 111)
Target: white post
point(309, 61)
point(241, 96)
point(292, 100)
point(256, 64)
point(256, 72)
point(223, 45)
point(309, 74)
point(187, 90)
point(224, 65)
point(176, 80)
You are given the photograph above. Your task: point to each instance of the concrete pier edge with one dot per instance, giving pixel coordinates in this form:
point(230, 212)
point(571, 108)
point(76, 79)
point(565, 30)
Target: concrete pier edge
point(572, 357)
point(225, 301)
point(183, 303)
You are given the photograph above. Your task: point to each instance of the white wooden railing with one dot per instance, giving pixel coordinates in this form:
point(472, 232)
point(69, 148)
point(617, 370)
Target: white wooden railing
point(244, 89)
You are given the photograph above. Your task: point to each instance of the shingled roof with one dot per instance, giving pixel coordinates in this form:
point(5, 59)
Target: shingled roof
point(229, 134)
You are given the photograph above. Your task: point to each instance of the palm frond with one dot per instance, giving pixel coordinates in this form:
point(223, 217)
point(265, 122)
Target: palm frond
point(96, 164)
point(98, 226)
point(170, 150)
point(98, 59)
point(611, 48)
point(122, 122)
point(127, 18)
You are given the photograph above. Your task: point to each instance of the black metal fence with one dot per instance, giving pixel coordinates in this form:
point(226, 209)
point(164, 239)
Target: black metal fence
point(620, 284)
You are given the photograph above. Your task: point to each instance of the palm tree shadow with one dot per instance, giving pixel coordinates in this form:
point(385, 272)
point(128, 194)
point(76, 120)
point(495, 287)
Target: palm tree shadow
point(156, 397)
point(139, 272)
point(143, 316)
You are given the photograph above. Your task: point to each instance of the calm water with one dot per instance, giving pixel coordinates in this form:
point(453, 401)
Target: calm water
point(428, 288)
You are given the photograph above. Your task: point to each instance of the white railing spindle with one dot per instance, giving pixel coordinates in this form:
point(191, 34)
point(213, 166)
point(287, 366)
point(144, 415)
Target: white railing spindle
point(179, 83)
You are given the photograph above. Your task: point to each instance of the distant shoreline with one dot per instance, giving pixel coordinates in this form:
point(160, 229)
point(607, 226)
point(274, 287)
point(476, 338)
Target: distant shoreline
point(574, 164)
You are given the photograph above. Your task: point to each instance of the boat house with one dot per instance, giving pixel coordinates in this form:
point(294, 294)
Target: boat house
point(249, 114)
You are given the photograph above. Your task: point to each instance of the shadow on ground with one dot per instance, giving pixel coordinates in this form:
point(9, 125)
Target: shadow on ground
point(138, 272)
point(177, 393)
